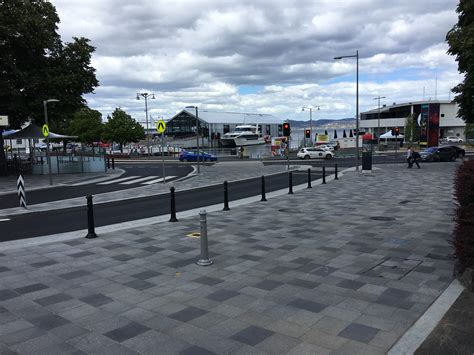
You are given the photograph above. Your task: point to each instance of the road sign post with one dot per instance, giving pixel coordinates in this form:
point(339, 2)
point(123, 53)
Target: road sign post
point(20, 185)
point(161, 128)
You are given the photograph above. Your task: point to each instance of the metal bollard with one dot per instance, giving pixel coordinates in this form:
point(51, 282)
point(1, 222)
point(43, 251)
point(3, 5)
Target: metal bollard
point(108, 163)
point(290, 183)
point(309, 178)
point(335, 173)
point(263, 190)
point(90, 219)
point(204, 259)
point(113, 163)
point(226, 197)
point(172, 205)
point(324, 174)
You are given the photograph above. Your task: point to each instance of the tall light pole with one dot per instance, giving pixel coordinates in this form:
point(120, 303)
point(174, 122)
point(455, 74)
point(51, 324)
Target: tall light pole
point(357, 102)
point(197, 136)
point(310, 108)
point(146, 96)
point(378, 120)
point(48, 155)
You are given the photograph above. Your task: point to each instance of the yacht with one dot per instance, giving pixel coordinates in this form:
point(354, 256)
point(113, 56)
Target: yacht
point(243, 135)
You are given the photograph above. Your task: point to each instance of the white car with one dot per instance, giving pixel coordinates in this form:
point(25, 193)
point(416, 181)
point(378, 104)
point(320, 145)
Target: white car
point(326, 147)
point(453, 139)
point(314, 153)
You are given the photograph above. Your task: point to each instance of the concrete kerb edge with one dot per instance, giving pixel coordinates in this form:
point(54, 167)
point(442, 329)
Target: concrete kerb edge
point(418, 332)
point(78, 234)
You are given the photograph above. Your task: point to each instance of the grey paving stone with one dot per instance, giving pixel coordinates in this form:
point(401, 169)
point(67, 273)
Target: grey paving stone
point(303, 283)
point(48, 322)
point(351, 284)
point(195, 350)
point(49, 300)
point(81, 254)
point(4, 269)
point(113, 246)
point(268, 285)
point(96, 300)
point(74, 274)
point(209, 281)
point(22, 335)
point(252, 335)
point(153, 249)
point(359, 332)
point(144, 240)
point(181, 262)
point(146, 274)
point(127, 332)
point(307, 305)
point(187, 314)
point(250, 257)
point(31, 288)
point(44, 263)
point(222, 295)
point(123, 257)
point(6, 295)
point(139, 284)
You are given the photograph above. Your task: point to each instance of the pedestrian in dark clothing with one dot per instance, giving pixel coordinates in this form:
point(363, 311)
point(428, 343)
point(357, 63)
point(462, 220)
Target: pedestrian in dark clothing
point(415, 157)
point(409, 158)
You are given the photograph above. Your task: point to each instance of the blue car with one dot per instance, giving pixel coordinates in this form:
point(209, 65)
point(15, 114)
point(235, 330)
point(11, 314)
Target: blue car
point(192, 156)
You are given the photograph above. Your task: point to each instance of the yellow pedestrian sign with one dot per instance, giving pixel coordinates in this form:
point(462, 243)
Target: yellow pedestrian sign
point(45, 130)
point(161, 126)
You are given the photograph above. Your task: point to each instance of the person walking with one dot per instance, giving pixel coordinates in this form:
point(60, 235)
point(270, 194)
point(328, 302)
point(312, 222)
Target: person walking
point(409, 158)
point(415, 157)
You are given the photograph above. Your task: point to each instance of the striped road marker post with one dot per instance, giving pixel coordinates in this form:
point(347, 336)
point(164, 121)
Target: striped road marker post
point(20, 185)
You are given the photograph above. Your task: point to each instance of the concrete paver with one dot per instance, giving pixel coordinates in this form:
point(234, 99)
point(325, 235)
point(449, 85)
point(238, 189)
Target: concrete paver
point(340, 267)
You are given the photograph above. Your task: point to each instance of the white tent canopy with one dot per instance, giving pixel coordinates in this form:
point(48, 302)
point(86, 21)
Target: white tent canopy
point(388, 134)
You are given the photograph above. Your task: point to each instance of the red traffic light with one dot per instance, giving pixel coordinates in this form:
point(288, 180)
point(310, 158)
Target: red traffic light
point(286, 129)
point(307, 133)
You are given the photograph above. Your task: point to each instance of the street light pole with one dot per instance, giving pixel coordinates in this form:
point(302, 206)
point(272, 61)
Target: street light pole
point(357, 102)
point(146, 95)
point(310, 122)
point(48, 155)
point(378, 120)
point(197, 137)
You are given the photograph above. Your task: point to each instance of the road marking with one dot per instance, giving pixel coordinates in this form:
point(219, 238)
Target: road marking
point(158, 180)
point(137, 180)
point(117, 180)
point(4, 219)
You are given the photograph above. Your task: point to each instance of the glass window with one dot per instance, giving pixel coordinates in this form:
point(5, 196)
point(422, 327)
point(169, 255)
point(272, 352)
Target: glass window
point(19, 141)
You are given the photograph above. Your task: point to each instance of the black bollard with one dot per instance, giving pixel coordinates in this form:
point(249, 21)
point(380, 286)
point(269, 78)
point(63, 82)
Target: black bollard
point(324, 174)
point(263, 190)
point(226, 197)
point(90, 219)
point(290, 183)
point(309, 178)
point(108, 163)
point(113, 163)
point(173, 205)
point(335, 173)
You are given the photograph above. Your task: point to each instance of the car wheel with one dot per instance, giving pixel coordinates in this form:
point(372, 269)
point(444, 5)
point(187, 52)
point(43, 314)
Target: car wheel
point(185, 159)
point(328, 157)
point(306, 156)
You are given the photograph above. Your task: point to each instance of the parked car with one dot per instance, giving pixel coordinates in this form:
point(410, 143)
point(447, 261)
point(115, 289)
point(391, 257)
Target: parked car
point(314, 153)
point(459, 151)
point(453, 139)
point(192, 156)
point(326, 147)
point(438, 154)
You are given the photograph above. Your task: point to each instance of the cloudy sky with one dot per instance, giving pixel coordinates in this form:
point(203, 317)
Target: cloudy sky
point(263, 56)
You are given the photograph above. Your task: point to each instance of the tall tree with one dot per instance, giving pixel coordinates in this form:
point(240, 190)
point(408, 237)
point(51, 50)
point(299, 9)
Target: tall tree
point(35, 65)
point(122, 128)
point(461, 44)
point(87, 124)
point(412, 133)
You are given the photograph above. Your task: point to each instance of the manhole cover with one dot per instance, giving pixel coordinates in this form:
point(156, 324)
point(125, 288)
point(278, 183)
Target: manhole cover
point(194, 235)
point(288, 210)
point(382, 218)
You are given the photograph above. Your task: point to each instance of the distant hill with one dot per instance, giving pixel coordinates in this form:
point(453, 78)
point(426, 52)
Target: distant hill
point(322, 122)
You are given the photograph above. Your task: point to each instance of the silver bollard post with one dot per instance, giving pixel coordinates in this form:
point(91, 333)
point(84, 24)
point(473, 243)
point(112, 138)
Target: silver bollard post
point(204, 259)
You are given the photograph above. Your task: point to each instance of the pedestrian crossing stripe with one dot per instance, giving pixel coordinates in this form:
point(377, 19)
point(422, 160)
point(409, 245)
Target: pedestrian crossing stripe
point(137, 180)
point(158, 180)
point(129, 180)
point(118, 180)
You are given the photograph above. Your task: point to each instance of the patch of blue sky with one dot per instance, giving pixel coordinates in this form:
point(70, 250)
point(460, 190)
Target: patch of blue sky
point(250, 89)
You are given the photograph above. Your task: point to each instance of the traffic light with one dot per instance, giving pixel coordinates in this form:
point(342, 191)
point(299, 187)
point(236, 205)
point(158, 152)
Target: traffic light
point(286, 129)
point(307, 133)
point(397, 131)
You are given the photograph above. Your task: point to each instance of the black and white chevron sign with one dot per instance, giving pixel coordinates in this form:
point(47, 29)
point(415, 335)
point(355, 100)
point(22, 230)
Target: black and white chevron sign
point(20, 185)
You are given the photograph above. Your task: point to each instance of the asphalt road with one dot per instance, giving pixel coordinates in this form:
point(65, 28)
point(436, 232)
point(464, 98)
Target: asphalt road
point(58, 221)
point(67, 192)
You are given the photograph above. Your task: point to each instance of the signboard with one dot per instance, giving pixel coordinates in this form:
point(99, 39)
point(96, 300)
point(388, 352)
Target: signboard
point(160, 126)
point(3, 120)
point(45, 130)
point(322, 138)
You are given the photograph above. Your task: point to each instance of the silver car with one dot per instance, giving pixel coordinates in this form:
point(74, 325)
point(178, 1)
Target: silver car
point(314, 153)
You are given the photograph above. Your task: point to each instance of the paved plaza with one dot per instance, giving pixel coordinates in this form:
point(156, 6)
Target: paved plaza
point(345, 267)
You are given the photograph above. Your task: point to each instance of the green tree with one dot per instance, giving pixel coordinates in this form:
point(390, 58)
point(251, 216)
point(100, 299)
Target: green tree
point(122, 128)
point(36, 65)
point(461, 44)
point(87, 124)
point(469, 131)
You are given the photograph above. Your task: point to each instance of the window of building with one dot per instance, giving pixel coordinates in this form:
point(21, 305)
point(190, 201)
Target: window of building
point(19, 141)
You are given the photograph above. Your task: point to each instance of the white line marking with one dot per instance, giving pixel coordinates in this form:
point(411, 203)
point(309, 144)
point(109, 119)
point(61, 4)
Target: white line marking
point(117, 180)
point(158, 180)
point(137, 180)
point(4, 219)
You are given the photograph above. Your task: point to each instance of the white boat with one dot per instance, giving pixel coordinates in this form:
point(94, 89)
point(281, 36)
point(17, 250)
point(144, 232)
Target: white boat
point(243, 135)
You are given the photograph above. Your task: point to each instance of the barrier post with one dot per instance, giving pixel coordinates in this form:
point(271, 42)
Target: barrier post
point(324, 174)
point(204, 258)
point(172, 205)
point(90, 218)
point(226, 197)
point(263, 190)
point(335, 173)
point(309, 178)
point(290, 183)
